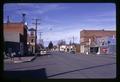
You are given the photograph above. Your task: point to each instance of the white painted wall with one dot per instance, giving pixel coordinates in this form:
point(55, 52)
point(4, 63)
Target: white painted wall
point(82, 48)
point(12, 36)
point(106, 39)
point(62, 47)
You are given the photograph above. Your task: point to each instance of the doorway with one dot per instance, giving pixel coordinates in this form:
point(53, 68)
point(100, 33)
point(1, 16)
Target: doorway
point(94, 50)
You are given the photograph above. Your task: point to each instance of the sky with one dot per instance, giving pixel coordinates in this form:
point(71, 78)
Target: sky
point(62, 21)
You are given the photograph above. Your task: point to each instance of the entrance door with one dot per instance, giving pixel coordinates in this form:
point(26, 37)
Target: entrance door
point(93, 50)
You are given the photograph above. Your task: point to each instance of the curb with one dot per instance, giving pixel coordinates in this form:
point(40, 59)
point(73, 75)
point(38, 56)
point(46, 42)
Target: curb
point(30, 59)
point(26, 60)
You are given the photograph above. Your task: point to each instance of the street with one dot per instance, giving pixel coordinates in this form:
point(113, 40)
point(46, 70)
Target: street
point(70, 66)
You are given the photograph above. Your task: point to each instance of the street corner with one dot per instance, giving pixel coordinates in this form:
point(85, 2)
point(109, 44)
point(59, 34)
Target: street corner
point(12, 61)
point(25, 59)
point(17, 60)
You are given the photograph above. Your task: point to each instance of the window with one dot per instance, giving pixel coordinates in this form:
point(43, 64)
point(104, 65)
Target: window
point(32, 33)
point(93, 49)
point(108, 42)
point(32, 40)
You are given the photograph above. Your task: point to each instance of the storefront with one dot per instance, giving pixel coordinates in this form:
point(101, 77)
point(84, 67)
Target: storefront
point(94, 50)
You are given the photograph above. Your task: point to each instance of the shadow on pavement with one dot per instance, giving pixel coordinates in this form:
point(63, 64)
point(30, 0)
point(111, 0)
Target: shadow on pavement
point(26, 74)
point(80, 69)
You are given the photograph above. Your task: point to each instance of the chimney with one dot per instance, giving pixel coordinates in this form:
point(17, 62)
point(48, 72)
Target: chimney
point(8, 21)
point(23, 18)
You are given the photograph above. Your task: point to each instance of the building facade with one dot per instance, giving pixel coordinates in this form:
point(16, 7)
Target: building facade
point(68, 48)
point(31, 40)
point(77, 47)
point(88, 39)
point(15, 37)
point(107, 45)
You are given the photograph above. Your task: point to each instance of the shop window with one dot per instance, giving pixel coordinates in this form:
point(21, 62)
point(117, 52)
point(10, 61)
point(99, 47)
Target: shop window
point(94, 49)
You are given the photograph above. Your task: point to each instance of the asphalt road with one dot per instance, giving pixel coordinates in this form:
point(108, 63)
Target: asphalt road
point(70, 66)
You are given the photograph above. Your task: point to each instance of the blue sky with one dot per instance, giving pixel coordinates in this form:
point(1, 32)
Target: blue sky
point(63, 20)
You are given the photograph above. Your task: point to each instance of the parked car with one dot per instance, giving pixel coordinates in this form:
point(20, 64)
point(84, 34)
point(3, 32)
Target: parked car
point(43, 52)
point(73, 52)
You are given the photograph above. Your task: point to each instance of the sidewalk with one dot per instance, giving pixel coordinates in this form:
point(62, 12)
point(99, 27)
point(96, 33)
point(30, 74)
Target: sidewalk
point(17, 60)
point(101, 55)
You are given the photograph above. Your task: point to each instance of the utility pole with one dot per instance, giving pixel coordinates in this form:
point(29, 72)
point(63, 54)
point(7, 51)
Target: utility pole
point(23, 19)
point(36, 23)
point(70, 42)
point(41, 41)
point(73, 39)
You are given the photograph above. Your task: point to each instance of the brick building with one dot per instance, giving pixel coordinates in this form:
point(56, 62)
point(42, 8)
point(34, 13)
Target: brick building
point(88, 43)
point(77, 47)
point(15, 37)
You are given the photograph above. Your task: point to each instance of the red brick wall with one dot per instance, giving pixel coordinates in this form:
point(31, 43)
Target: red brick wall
point(13, 27)
point(86, 34)
point(77, 48)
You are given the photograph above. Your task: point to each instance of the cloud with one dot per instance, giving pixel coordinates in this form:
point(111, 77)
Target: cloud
point(65, 34)
point(101, 20)
point(36, 10)
point(49, 20)
point(44, 8)
point(30, 9)
point(101, 17)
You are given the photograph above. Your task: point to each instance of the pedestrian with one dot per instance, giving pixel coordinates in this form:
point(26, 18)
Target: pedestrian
point(19, 55)
point(10, 52)
point(12, 56)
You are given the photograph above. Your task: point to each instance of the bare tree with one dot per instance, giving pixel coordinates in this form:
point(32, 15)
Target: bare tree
point(61, 42)
point(50, 46)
